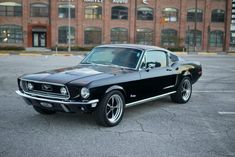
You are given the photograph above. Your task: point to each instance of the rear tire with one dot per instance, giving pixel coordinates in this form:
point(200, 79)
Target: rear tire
point(184, 91)
point(43, 111)
point(110, 110)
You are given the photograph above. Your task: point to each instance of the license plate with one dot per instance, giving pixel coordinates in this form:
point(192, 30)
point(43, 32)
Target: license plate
point(45, 104)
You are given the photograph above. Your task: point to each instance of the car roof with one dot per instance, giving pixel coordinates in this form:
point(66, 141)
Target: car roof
point(135, 46)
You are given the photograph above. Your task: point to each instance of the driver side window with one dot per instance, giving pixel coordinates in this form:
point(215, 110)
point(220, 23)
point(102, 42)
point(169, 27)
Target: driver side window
point(154, 59)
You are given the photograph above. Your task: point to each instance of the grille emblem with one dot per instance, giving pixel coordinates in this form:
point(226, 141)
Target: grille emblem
point(46, 87)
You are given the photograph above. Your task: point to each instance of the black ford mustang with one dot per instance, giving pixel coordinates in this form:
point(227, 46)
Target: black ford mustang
point(110, 78)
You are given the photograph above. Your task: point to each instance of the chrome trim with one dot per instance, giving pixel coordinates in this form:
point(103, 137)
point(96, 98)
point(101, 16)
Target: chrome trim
point(58, 101)
point(42, 82)
point(42, 95)
point(148, 99)
point(167, 87)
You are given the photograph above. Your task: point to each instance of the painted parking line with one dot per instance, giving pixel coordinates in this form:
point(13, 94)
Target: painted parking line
point(226, 113)
point(214, 91)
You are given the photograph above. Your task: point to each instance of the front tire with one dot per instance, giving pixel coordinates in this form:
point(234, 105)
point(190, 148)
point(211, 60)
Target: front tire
point(184, 91)
point(110, 110)
point(43, 111)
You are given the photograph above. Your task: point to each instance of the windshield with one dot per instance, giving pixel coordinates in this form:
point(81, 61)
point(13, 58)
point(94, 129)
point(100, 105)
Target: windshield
point(124, 57)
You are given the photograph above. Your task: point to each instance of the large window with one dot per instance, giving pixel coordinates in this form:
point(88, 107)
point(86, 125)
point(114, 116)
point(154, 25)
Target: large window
point(119, 36)
point(93, 12)
point(170, 14)
point(39, 10)
point(169, 37)
point(93, 36)
point(10, 9)
point(120, 12)
point(144, 13)
point(216, 38)
point(217, 15)
point(11, 34)
point(190, 38)
point(64, 35)
point(144, 36)
point(192, 16)
point(63, 11)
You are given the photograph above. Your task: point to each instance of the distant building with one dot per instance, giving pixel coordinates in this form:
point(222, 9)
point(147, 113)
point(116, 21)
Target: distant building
point(165, 23)
point(232, 40)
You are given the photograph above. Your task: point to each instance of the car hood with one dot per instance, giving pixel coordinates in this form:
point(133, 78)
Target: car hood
point(82, 74)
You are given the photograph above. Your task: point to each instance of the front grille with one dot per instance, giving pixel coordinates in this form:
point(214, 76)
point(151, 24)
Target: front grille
point(44, 89)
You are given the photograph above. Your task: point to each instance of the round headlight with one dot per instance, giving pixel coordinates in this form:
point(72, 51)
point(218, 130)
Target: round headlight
point(63, 91)
point(30, 86)
point(85, 93)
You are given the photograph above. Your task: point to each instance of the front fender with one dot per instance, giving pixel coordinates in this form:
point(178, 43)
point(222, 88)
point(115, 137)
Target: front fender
point(116, 87)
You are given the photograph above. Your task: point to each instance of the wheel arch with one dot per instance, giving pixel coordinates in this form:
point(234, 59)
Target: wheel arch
point(116, 87)
point(187, 74)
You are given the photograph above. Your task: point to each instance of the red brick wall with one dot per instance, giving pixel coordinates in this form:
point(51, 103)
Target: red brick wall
point(53, 22)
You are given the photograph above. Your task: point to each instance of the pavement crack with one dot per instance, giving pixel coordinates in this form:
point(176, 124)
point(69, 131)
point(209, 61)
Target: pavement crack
point(142, 127)
point(172, 114)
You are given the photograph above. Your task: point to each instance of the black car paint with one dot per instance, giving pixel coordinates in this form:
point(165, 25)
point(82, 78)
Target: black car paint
point(135, 84)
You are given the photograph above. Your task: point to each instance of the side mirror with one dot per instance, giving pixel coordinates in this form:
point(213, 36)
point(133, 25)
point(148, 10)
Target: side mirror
point(149, 66)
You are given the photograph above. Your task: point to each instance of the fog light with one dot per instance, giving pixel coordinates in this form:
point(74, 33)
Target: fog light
point(30, 86)
point(63, 91)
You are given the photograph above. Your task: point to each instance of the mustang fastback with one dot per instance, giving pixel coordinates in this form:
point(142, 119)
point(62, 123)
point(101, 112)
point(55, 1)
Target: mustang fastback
point(109, 79)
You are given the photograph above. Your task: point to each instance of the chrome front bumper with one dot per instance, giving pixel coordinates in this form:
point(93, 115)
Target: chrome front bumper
point(93, 103)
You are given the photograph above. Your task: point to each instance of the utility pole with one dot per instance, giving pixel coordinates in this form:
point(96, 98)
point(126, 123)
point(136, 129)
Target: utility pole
point(69, 29)
point(195, 27)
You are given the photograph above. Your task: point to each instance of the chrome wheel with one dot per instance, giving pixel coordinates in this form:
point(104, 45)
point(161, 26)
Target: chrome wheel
point(114, 108)
point(186, 90)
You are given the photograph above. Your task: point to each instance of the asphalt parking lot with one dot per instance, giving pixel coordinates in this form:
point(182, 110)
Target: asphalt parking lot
point(204, 127)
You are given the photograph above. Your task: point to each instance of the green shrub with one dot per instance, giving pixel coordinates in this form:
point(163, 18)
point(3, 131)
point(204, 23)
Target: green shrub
point(12, 48)
point(177, 49)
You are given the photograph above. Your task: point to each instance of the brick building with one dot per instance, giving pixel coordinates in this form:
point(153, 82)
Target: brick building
point(204, 24)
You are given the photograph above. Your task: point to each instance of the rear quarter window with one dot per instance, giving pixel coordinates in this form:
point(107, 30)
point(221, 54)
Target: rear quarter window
point(173, 58)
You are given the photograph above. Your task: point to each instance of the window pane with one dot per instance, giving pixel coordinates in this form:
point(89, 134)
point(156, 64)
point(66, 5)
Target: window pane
point(64, 35)
point(191, 15)
point(63, 11)
point(93, 36)
point(120, 12)
point(39, 10)
point(119, 36)
point(145, 13)
point(190, 40)
point(170, 14)
point(11, 34)
point(10, 9)
point(144, 36)
point(216, 39)
point(93, 12)
point(217, 16)
point(169, 37)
